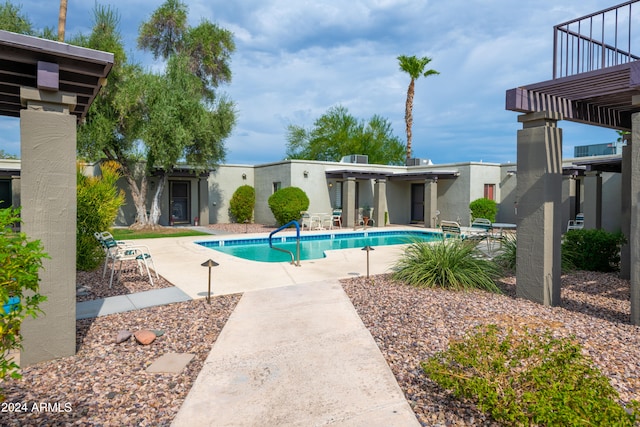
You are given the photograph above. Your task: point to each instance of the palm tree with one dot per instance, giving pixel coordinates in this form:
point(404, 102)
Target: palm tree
point(62, 19)
point(413, 66)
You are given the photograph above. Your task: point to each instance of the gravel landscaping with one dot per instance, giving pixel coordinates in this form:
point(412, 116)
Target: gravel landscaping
point(106, 384)
point(411, 324)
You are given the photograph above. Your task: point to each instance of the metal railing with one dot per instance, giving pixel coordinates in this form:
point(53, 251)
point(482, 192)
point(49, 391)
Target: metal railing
point(593, 42)
point(287, 225)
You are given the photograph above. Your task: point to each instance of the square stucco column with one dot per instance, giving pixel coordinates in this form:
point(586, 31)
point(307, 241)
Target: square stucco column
point(349, 202)
point(634, 231)
point(430, 202)
point(539, 191)
point(48, 196)
point(568, 200)
point(379, 201)
point(625, 212)
point(592, 200)
point(203, 200)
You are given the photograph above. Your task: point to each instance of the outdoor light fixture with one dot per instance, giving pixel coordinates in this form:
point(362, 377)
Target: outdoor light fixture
point(209, 263)
point(368, 249)
point(244, 176)
point(306, 174)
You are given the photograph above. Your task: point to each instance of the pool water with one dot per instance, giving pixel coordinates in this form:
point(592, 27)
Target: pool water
point(313, 246)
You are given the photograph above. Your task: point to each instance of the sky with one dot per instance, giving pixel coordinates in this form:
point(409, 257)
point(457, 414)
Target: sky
point(296, 59)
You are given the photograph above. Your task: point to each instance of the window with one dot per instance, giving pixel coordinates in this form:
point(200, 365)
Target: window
point(490, 191)
point(338, 199)
point(276, 186)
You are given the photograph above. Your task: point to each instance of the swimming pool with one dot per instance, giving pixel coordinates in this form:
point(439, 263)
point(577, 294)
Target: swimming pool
point(313, 246)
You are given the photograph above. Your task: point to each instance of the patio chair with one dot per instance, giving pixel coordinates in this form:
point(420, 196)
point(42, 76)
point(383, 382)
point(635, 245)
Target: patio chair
point(138, 253)
point(576, 224)
point(452, 229)
point(482, 223)
point(370, 220)
point(109, 245)
point(336, 218)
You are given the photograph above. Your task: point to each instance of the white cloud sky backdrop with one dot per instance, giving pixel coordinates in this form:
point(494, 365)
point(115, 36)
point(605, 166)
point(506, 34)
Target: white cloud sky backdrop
point(296, 59)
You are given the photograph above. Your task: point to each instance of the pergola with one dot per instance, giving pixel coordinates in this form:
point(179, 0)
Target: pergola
point(50, 86)
point(596, 81)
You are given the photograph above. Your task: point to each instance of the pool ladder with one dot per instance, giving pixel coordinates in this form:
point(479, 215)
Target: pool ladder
point(287, 225)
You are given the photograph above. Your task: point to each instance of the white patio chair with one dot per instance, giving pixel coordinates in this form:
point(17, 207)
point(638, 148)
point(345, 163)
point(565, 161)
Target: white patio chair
point(576, 224)
point(138, 253)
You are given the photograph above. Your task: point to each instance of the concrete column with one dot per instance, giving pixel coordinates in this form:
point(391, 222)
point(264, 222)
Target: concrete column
point(625, 212)
point(568, 200)
point(634, 230)
point(203, 199)
point(592, 200)
point(379, 201)
point(15, 191)
point(349, 202)
point(48, 194)
point(430, 202)
point(539, 193)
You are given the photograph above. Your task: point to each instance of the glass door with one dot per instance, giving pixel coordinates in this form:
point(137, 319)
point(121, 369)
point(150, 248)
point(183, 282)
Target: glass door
point(179, 192)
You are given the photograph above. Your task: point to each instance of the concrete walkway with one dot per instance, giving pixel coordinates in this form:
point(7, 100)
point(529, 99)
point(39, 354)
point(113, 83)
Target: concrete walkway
point(293, 353)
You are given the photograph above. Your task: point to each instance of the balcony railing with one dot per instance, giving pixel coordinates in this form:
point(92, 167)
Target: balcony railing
point(593, 42)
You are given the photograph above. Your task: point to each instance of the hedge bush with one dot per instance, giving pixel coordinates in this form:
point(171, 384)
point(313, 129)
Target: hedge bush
point(20, 264)
point(286, 204)
point(242, 203)
point(593, 250)
point(483, 208)
point(526, 378)
point(98, 204)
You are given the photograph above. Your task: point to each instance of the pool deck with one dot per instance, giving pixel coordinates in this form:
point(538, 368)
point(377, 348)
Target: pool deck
point(294, 352)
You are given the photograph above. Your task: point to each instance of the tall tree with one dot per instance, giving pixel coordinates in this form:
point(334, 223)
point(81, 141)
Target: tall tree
point(149, 122)
point(415, 67)
point(337, 133)
point(62, 20)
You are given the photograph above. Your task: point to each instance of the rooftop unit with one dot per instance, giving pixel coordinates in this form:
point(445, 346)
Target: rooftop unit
point(419, 162)
point(355, 158)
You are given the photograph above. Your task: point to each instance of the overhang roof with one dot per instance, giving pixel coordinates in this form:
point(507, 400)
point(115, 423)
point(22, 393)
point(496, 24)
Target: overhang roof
point(602, 98)
point(81, 71)
point(410, 176)
point(602, 164)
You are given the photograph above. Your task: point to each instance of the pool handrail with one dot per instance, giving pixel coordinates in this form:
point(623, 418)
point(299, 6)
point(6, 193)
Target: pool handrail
point(287, 225)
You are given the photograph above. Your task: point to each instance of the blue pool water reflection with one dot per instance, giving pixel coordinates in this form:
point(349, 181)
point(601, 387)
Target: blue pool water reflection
point(313, 246)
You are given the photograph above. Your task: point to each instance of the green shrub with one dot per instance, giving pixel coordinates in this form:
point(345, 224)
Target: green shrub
point(483, 208)
point(98, 204)
point(286, 204)
point(20, 264)
point(528, 379)
point(593, 250)
point(507, 256)
point(242, 203)
point(451, 264)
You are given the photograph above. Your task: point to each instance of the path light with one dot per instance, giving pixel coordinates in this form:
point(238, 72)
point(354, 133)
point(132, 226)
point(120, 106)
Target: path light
point(368, 249)
point(209, 263)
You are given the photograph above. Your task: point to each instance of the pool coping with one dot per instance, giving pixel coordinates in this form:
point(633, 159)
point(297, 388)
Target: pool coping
point(180, 259)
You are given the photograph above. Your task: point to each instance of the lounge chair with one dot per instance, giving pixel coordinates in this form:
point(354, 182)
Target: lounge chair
point(576, 224)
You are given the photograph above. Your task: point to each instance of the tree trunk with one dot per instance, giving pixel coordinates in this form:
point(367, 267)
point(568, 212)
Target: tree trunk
point(154, 215)
point(139, 196)
point(408, 115)
point(62, 20)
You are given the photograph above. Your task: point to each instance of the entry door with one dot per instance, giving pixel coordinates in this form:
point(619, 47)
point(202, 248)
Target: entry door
point(417, 202)
point(180, 202)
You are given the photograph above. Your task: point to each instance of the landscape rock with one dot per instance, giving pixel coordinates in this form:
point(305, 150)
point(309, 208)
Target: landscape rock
point(144, 336)
point(123, 335)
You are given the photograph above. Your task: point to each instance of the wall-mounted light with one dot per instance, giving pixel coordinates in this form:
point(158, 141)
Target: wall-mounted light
point(331, 185)
point(306, 174)
point(244, 176)
point(511, 173)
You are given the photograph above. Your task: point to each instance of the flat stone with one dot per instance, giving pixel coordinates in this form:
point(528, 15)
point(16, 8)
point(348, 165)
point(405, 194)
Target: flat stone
point(172, 363)
point(122, 336)
point(144, 336)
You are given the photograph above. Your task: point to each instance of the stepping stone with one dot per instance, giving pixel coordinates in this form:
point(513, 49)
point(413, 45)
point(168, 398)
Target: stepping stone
point(171, 363)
